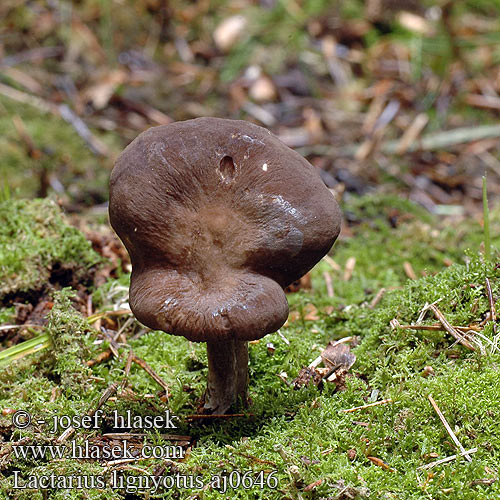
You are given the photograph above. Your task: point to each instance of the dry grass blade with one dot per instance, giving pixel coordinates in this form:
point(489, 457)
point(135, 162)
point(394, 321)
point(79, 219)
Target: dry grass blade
point(448, 428)
point(449, 328)
point(447, 459)
point(370, 405)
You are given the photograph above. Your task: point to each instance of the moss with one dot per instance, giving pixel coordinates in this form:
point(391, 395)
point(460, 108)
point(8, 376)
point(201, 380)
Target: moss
point(38, 246)
point(71, 335)
point(323, 443)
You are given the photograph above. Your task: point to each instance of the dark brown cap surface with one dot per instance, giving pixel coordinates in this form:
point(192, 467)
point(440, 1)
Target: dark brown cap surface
point(218, 216)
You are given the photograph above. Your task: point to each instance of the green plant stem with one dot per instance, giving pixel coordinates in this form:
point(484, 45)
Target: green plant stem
point(486, 223)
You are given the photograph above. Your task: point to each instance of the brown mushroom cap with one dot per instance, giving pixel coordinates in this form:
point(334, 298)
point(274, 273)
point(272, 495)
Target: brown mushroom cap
point(218, 216)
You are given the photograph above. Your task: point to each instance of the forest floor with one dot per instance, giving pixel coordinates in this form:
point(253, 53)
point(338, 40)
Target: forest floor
point(398, 110)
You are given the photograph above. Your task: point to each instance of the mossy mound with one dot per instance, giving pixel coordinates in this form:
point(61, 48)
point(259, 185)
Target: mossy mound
point(38, 247)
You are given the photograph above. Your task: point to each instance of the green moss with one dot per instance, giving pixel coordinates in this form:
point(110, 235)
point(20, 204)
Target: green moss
point(70, 334)
point(37, 246)
point(308, 425)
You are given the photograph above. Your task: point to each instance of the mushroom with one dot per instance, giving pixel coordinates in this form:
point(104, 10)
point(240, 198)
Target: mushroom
point(218, 216)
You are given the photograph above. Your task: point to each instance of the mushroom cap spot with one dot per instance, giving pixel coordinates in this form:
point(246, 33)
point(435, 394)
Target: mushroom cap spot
point(213, 238)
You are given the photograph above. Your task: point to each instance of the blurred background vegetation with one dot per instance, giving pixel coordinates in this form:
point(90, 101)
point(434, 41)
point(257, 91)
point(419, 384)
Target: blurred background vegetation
point(380, 95)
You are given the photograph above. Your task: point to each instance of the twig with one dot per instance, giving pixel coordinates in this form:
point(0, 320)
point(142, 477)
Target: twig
point(150, 372)
point(349, 268)
point(483, 101)
point(251, 457)
point(486, 222)
point(103, 314)
point(96, 145)
point(377, 403)
point(452, 331)
point(36, 54)
point(440, 328)
point(128, 365)
point(408, 269)
point(429, 142)
point(377, 298)
point(448, 428)
point(329, 284)
point(62, 110)
point(447, 459)
point(225, 416)
point(412, 132)
point(283, 338)
point(493, 313)
point(105, 396)
point(332, 263)
point(103, 356)
point(130, 435)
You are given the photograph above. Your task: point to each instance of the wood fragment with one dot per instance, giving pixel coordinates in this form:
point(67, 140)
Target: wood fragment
point(103, 356)
point(447, 459)
point(449, 328)
point(370, 405)
point(448, 428)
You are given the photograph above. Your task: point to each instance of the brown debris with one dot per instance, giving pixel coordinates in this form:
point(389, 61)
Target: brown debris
point(381, 463)
point(337, 360)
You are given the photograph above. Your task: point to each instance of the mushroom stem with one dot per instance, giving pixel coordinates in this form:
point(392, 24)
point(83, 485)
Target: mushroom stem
point(227, 375)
